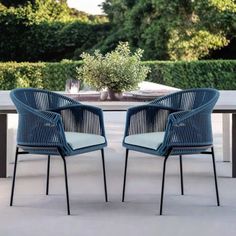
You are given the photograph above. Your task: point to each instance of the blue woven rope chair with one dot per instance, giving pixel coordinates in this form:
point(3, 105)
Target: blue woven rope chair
point(52, 124)
point(176, 124)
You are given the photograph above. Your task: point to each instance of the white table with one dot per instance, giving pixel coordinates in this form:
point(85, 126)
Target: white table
point(226, 105)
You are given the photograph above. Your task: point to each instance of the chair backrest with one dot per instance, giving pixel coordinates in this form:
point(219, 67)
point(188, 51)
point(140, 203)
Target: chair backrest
point(193, 119)
point(38, 123)
point(190, 99)
point(38, 99)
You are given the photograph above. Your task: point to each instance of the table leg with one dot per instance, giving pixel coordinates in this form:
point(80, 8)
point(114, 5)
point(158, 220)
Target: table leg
point(226, 128)
point(234, 145)
point(3, 145)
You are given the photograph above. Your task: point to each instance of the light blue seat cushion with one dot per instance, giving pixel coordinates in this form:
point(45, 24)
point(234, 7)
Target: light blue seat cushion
point(81, 140)
point(148, 140)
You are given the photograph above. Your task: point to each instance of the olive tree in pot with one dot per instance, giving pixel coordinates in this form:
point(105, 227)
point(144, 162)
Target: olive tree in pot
point(115, 72)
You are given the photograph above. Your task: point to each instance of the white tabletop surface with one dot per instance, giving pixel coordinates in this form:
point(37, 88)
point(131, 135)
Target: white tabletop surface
point(227, 102)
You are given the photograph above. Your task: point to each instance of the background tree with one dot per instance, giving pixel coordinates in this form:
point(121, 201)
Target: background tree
point(166, 29)
point(47, 30)
point(16, 3)
point(173, 29)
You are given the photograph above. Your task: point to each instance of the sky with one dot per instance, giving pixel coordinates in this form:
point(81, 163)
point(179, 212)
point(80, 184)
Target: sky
point(89, 6)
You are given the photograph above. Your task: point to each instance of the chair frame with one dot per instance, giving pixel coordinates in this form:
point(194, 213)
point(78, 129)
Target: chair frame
point(48, 174)
point(63, 149)
point(181, 174)
point(179, 150)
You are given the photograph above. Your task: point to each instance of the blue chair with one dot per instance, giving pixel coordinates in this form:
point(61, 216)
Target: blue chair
point(52, 124)
point(176, 124)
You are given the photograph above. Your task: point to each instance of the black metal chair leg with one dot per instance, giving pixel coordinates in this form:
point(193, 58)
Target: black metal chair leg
point(48, 174)
point(124, 183)
point(163, 181)
point(181, 174)
point(66, 183)
point(215, 176)
point(104, 175)
point(14, 177)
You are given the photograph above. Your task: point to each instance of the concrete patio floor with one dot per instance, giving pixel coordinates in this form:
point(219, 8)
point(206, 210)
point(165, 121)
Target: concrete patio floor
point(195, 213)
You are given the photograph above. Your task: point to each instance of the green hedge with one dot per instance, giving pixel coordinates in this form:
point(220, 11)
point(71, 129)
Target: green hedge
point(41, 75)
point(220, 74)
point(21, 40)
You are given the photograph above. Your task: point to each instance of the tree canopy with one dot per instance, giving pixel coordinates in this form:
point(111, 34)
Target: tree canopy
point(173, 29)
point(165, 29)
point(46, 30)
point(46, 10)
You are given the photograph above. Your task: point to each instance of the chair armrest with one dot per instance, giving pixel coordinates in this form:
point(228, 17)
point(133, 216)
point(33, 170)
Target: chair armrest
point(147, 118)
point(189, 128)
point(48, 116)
point(40, 128)
point(82, 118)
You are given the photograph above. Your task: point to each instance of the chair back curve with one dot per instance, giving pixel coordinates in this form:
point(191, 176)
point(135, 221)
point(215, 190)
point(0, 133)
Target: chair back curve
point(38, 126)
point(189, 99)
point(176, 124)
point(38, 99)
point(191, 125)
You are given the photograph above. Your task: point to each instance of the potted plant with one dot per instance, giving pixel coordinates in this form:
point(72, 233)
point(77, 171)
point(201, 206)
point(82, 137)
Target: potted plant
point(116, 71)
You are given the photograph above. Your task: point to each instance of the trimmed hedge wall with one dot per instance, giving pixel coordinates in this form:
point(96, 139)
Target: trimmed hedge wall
point(220, 74)
point(41, 75)
point(21, 40)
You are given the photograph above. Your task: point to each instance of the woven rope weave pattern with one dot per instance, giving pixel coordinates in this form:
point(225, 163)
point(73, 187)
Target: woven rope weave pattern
point(44, 116)
point(185, 116)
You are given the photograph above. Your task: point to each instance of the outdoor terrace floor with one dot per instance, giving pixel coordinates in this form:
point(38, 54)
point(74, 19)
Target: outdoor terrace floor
point(195, 213)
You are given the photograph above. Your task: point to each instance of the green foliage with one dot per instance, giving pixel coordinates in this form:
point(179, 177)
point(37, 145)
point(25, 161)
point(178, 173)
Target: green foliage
point(40, 75)
point(196, 46)
point(15, 3)
point(118, 70)
point(47, 41)
point(56, 74)
point(219, 74)
point(36, 11)
point(20, 75)
point(47, 31)
point(173, 29)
